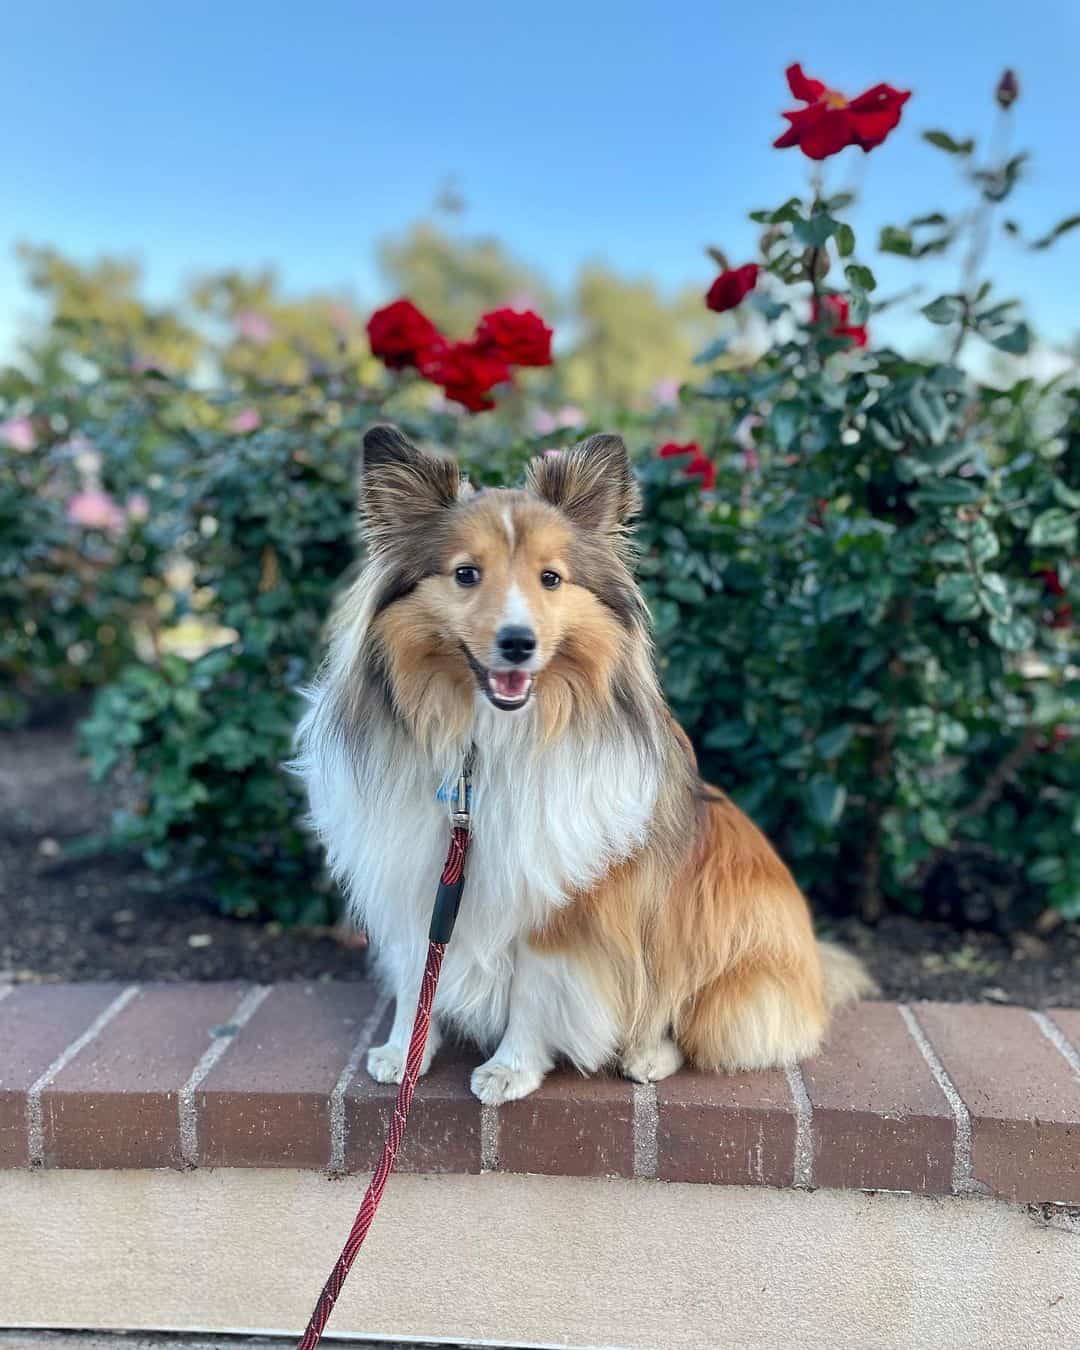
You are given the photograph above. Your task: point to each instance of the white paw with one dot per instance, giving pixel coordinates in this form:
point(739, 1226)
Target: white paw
point(653, 1063)
point(494, 1082)
point(386, 1063)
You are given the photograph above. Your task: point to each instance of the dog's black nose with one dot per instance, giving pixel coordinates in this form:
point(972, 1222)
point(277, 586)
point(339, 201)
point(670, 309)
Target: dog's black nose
point(515, 642)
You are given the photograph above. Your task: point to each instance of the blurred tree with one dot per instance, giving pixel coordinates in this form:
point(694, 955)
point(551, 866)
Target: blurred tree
point(630, 339)
point(275, 339)
point(95, 312)
point(455, 279)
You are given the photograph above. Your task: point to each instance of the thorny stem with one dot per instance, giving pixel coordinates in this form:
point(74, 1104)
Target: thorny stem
point(981, 220)
point(871, 903)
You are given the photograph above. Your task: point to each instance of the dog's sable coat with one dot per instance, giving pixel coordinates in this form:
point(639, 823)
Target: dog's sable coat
point(617, 910)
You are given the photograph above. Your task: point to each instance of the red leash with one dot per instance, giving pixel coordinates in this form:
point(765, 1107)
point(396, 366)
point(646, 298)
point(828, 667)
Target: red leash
point(451, 885)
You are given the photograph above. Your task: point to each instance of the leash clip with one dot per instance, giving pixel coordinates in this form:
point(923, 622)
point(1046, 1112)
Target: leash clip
point(460, 816)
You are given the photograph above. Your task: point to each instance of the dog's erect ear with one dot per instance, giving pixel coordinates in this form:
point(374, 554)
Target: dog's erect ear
point(592, 483)
point(401, 487)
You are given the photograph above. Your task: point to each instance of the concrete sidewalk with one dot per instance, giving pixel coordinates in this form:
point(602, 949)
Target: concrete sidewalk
point(140, 1340)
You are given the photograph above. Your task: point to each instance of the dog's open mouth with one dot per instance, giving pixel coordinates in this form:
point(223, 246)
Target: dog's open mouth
point(508, 688)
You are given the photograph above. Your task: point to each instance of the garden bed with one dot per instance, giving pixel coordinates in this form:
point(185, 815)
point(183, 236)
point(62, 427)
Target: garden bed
point(110, 918)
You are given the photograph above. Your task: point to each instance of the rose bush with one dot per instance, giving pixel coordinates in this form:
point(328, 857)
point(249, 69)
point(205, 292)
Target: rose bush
point(860, 564)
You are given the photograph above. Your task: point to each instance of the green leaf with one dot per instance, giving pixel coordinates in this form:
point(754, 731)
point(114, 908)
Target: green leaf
point(949, 551)
point(1054, 528)
point(894, 240)
point(949, 491)
point(826, 799)
point(816, 231)
point(1015, 634)
point(934, 218)
point(994, 596)
point(690, 592)
point(831, 744)
point(726, 736)
point(846, 599)
point(1066, 495)
point(709, 354)
point(945, 309)
point(933, 827)
point(956, 588)
point(1062, 227)
point(1016, 341)
point(943, 141)
point(845, 240)
point(784, 422)
point(860, 277)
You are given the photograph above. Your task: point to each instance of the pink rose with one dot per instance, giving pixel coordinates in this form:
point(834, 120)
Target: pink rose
point(138, 506)
point(243, 422)
point(95, 510)
point(18, 432)
point(256, 327)
point(666, 392)
point(569, 417)
point(543, 423)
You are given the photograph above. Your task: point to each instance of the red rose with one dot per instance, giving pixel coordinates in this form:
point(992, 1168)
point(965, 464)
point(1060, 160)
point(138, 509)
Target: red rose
point(833, 310)
point(1052, 581)
point(699, 466)
point(732, 287)
point(1062, 616)
point(519, 337)
point(465, 373)
point(399, 334)
point(830, 122)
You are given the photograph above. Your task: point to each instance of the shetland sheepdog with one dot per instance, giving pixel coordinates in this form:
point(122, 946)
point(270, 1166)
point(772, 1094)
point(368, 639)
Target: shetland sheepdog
point(618, 912)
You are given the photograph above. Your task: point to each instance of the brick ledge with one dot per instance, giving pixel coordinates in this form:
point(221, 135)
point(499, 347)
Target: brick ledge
point(931, 1098)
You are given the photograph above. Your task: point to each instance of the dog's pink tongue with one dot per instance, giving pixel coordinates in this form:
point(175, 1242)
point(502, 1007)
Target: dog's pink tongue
point(509, 683)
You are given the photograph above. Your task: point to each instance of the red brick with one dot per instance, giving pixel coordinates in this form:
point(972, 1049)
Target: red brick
point(570, 1126)
point(733, 1129)
point(444, 1120)
point(880, 1121)
point(116, 1104)
point(266, 1103)
point(37, 1024)
point(1022, 1095)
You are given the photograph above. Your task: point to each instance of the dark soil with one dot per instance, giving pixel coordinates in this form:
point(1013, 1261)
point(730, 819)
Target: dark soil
point(109, 918)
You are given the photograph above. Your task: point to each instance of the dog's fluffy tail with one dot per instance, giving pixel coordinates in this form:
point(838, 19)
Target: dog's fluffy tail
point(846, 978)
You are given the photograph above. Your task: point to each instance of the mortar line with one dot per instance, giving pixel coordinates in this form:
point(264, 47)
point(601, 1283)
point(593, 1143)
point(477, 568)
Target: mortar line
point(963, 1174)
point(489, 1138)
point(803, 1165)
point(35, 1125)
point(646, 1123)
point(1058, 1040)
point(338, 1138)
point(187, 1116)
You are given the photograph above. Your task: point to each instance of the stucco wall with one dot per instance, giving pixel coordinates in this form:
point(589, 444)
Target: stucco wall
point(537, 1261)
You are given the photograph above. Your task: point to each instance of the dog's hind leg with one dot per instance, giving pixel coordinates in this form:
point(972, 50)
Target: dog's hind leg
point(650, 1052)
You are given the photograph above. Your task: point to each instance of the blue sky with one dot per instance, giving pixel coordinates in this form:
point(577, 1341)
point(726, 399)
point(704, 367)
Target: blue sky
point(199, 135)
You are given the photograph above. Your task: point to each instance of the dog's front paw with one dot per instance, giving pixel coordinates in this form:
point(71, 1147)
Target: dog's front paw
point(386, 1063)
point(494, 1082)
point(654, 1063)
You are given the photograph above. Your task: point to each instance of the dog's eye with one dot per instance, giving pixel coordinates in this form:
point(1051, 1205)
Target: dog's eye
point(549, 580)
point(467, 576)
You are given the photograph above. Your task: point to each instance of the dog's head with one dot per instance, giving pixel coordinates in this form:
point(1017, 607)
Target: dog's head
point(507, 595)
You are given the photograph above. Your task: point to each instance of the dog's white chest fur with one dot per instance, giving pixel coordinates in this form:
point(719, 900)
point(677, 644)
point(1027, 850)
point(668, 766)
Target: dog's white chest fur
point(546, 823)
